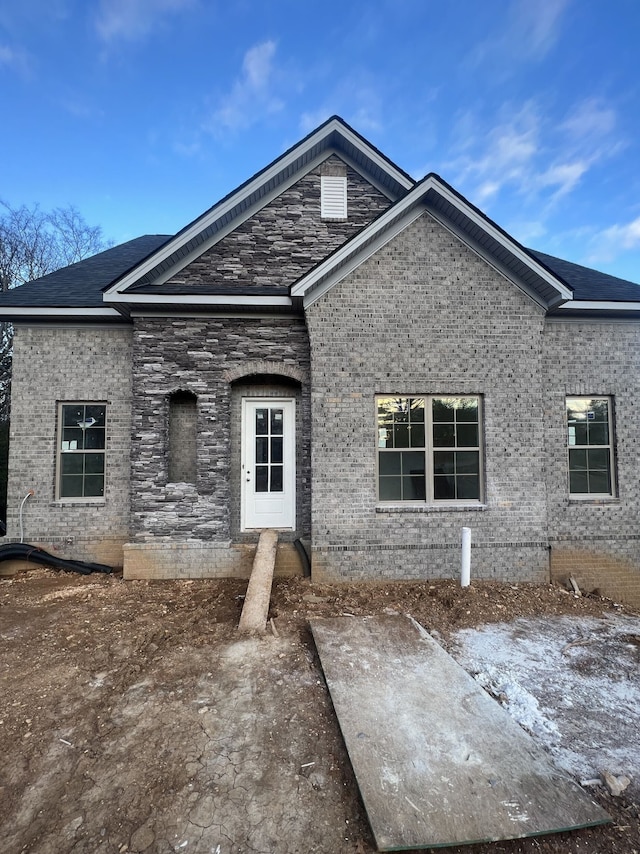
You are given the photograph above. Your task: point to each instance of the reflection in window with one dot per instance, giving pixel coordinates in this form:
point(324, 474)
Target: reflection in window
point(590, 446)
point(81, 450)
point(429, 449)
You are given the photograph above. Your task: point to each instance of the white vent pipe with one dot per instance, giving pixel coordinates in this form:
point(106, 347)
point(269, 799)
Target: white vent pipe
point(465, 567)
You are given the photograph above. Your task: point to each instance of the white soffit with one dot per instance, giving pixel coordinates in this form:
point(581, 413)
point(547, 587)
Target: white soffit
point(200, 299)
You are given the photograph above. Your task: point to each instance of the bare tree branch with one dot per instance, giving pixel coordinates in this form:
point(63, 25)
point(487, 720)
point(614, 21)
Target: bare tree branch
point(32, 244)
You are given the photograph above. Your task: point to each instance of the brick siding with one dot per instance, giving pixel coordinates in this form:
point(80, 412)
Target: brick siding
point(53, 364)
point(426, 316)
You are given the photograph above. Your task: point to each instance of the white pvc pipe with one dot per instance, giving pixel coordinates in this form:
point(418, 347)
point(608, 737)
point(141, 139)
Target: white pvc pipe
point(28, 495)
point(465, 567)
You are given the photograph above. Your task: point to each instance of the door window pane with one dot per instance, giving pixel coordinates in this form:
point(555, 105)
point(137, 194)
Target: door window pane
point(262, 478)
point(262, 422)
point(262, 449)
point(277, 420)
point(276, 478)
point(269, 449)
point(276, 449)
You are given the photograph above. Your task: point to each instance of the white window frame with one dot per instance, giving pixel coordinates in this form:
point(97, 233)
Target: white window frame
point(62, 452)
point(429, 450)
point(610, 447)
point(333, 197)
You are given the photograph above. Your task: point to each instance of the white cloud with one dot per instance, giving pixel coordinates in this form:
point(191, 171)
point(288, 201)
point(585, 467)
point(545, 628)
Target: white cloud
point(590, 119)
point(563, 176)
point(529, 152)
point(607, 244)
point(251, 96)
point(357, 99)
point(490, 158)
point(530, 31)
point(527, 232)
point(537, 25)
point(311, 120)
point(132, 20)
point(15, 59)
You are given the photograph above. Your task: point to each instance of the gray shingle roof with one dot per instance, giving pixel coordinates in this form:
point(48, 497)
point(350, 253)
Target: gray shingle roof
point(81, 284)
point(589, 284)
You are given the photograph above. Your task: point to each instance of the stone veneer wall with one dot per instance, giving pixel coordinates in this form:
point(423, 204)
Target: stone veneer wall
point(59, 363)
point(425, 315)
point(596, 541)
point(287, 237)
point(207, 357)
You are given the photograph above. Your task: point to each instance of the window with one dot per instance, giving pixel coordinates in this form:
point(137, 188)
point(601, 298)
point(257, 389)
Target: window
point(429, 449)
point(81, 450)
point(589, 436)
point(333, 197)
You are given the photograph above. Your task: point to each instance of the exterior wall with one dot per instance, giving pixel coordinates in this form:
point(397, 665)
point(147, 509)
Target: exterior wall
point(596, 541)
point(52, 364)
point(203, 560)
point(287, 237)
point(425, 315)
point(209, 357)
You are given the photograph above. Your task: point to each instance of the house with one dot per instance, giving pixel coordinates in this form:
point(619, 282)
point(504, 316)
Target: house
point(364, 362)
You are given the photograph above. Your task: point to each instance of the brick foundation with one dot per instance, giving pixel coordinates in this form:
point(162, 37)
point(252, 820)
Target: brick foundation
point(202, 560)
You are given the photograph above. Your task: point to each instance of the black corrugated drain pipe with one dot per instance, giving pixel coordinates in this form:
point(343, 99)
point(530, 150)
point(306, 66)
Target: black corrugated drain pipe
point(34, 554)
point(304, 557)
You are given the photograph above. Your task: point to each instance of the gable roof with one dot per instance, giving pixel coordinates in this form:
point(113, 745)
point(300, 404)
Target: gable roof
point(459, 216)
point(79, 286)
point(110, 284)
point(335, 136)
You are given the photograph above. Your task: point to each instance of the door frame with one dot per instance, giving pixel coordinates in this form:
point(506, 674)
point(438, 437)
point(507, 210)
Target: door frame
point(247, 433)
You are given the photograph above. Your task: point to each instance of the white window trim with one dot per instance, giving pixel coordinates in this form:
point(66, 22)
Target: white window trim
point(79, 499)
point(593, 496)
point(431, 503)
point(333, 197)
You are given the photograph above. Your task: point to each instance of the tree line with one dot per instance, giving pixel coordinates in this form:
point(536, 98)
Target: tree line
point(33, 243)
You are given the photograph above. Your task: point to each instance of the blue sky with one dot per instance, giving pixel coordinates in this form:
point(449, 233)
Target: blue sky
point(143, 113)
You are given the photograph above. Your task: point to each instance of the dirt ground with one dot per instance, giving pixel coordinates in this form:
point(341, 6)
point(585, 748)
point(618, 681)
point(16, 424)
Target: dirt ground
point(134, 717)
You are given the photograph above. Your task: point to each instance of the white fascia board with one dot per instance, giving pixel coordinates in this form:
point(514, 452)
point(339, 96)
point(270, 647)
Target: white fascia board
point(233, 224)
point(75, 324)
point(351, 247)
point(565, 292)
point(600, 305)
point(263, 178)
point(262, 202)
point(204, 299)
point(31, 311)
point(313, 294)
point(199, 315)
point(411, 199)
point(376, 158)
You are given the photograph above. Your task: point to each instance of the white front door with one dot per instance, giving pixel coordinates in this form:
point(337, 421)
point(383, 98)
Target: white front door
point(268, 463)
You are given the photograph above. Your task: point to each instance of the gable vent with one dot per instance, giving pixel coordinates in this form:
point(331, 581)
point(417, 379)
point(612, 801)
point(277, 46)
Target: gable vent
point(333, 194)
